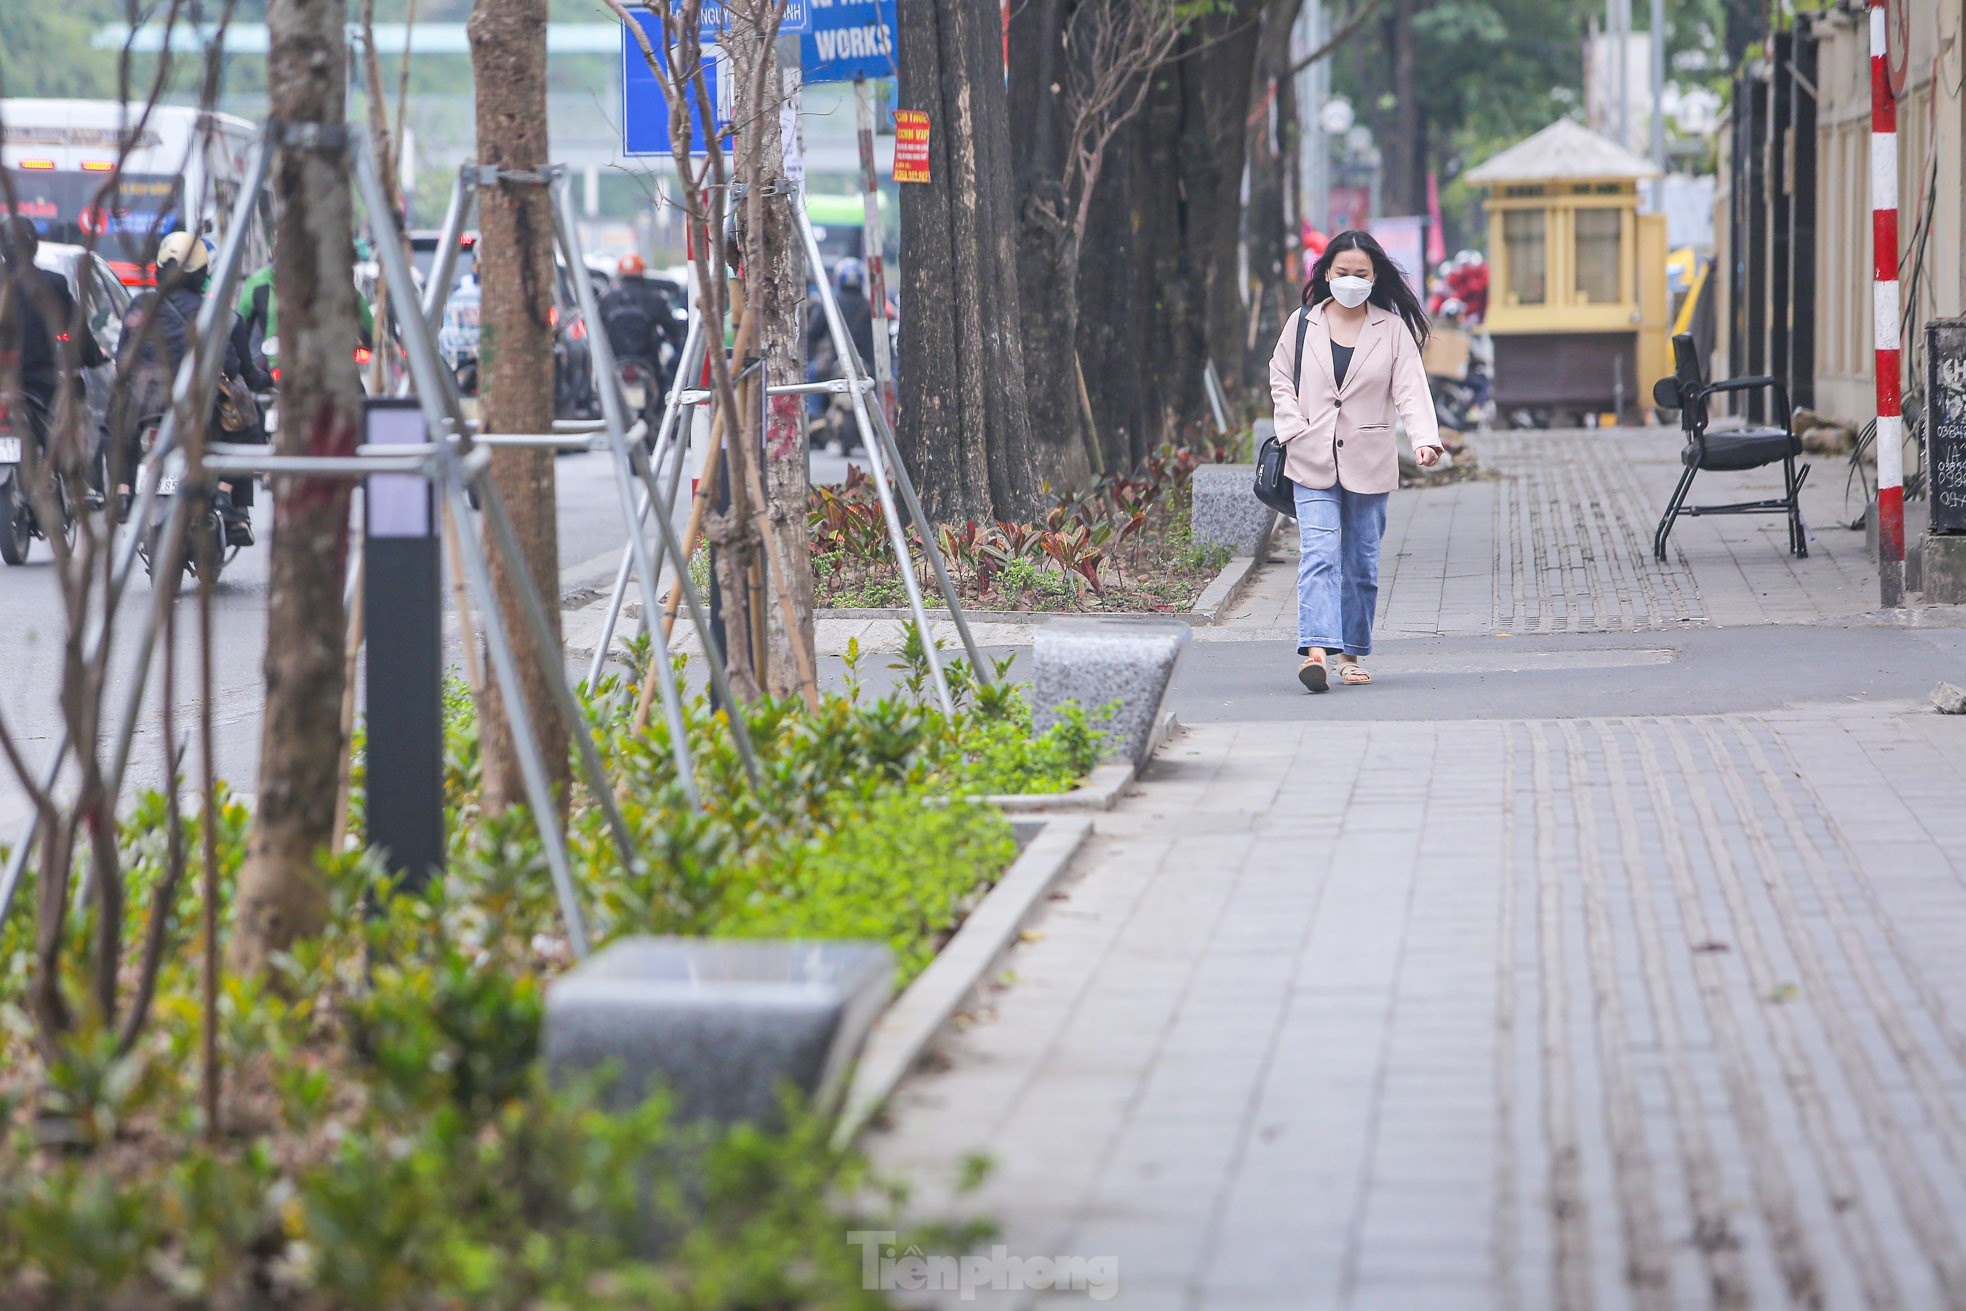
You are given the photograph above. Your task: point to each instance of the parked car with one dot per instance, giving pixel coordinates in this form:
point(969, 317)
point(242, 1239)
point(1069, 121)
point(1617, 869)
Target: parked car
point(574, 393)
point(108, 298)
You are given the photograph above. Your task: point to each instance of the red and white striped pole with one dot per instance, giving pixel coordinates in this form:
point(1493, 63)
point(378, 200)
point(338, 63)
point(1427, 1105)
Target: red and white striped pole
point(1886, 311)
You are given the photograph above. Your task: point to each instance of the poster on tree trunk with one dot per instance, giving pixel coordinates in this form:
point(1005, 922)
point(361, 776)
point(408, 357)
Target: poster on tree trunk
point(910, 145)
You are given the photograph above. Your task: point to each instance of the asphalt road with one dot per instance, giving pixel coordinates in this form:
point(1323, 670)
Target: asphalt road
point(32, 632)
point(1697, 671)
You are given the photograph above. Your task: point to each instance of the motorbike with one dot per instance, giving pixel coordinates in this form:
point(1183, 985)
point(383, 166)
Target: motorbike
point(20, 523)
point(206, 539)
point(1455, 404)
point(642, 386)
point(269, 401)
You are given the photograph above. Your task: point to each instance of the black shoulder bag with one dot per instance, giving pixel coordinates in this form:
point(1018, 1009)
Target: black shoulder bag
point(1273, 485)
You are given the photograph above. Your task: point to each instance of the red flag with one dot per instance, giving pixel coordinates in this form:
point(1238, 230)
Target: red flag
point(1436, 230)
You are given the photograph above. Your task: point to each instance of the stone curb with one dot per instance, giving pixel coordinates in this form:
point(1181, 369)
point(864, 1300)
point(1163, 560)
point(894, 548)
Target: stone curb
point(1215, 599)
point(912, 1022)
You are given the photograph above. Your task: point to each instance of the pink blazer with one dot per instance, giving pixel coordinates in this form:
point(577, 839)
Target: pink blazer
point(1344, 435)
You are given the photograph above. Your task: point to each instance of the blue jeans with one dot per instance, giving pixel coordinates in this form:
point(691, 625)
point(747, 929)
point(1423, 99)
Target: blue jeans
point(1338, 568)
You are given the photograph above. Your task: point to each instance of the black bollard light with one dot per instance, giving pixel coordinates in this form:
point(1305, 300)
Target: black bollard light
point(402, 595)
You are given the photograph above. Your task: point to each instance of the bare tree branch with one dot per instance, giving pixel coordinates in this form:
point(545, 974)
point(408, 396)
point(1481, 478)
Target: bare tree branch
point(1353, 22)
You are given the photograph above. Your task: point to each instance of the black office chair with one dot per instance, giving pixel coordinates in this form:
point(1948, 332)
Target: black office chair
point(1740, 448)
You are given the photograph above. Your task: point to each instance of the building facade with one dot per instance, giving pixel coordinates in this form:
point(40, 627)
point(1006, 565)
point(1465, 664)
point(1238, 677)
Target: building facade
point(1793, 209)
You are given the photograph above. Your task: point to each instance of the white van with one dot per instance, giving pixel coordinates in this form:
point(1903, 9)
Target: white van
point(184, 171)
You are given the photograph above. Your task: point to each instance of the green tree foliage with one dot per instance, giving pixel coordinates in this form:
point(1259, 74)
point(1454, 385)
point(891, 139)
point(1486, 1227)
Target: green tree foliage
point(1489, 72)
point(45, 51)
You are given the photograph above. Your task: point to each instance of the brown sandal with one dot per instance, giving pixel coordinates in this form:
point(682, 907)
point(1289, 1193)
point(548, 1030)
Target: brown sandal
point(1314, 674)
point(1353, 674)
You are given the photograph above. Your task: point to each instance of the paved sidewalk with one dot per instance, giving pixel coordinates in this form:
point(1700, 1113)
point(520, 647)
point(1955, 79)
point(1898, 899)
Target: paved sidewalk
point(1603, 1004)
point(1559, 540)
point(1590, 1013)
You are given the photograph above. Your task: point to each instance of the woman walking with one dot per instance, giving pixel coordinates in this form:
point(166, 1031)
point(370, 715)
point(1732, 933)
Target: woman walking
point(1347, 362)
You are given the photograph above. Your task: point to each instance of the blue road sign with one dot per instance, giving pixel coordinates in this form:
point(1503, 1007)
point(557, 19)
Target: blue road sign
point(644, 106)
point(797, 21)
point(849, 39)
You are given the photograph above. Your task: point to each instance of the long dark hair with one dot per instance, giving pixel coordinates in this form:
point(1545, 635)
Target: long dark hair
point(1389, 289)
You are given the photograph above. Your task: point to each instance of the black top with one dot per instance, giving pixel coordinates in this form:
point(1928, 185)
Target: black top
point(1341, 360)
point(39, 308)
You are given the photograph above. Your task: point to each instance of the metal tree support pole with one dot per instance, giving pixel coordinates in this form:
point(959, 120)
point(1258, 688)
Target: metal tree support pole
point(434, 392)
point(977, 668)
point(531, 765)
point(193, 377)
point(1218, 401)
point(1885, 314)
point(438, 289)
point(431, 374)
point(167, 563)
point(612, 405)
point(549, 653)
point(431, 379)
point(627, 466)
point(672, 411)
point(903, 561)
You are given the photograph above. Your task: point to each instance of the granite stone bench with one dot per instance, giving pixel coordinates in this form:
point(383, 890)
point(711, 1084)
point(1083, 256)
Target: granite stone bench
point(1226, 511)
point(723, 1025)
point(1097, 661)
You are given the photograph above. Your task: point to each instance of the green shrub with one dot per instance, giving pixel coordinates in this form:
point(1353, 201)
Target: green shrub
point(389, 1140)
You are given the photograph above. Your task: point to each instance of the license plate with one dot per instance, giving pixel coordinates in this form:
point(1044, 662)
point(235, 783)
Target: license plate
point(9, 450)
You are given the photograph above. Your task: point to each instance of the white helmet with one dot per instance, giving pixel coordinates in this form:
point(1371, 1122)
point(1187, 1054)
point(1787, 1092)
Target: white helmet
point(185, 250)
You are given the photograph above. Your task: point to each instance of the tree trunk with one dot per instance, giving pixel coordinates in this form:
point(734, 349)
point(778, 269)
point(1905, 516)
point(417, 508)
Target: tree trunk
point(1267, 236)
point(1172, 290)
point(1403, 187)
point(280, 897)
point(515, 351)
point(965, 418)
point(780, 252)
point(1114, 300)
point(1047, 262)
point(1220, 76)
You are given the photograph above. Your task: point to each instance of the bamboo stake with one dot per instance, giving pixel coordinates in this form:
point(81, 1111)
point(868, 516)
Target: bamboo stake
point(1091, 425)
point(706, 483)
point(351, 650)
point(461, 603)
point(209, 1085)
point(761, 516)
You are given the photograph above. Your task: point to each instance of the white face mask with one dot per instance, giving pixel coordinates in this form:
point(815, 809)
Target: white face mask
point(1351, 292)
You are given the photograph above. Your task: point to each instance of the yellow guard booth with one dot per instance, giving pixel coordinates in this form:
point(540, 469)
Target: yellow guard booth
point(1577, 295)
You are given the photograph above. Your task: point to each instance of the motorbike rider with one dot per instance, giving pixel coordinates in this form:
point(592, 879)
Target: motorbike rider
point(157, 332)
point(38, 310)
point(259, 320)
point(639, 317)
point(856, 312)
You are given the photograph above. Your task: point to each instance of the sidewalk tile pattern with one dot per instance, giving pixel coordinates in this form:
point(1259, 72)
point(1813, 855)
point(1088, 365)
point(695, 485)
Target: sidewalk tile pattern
point(1574, 1014)
point(1560, 541)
